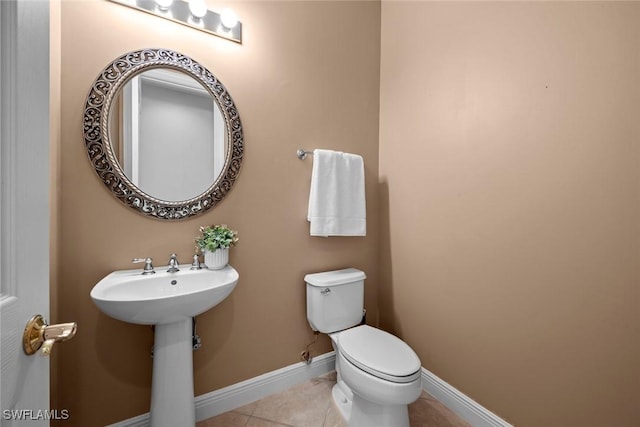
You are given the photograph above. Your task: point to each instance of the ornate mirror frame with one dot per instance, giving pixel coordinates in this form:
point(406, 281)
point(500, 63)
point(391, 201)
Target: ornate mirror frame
point(100, 149)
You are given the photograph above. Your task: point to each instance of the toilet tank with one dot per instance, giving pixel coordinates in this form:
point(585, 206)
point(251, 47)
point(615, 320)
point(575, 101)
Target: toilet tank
point(335, 299)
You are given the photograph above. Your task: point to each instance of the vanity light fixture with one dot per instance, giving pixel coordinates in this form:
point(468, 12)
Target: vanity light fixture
point(192, 13)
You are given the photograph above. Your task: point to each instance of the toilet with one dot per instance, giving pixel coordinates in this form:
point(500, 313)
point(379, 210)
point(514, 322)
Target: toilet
point(378, 373)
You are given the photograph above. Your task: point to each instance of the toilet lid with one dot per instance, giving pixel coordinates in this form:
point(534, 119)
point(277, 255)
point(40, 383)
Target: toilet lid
point(379, 353)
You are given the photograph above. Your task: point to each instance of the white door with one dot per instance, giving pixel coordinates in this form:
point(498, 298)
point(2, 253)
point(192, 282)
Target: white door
point(24, 208)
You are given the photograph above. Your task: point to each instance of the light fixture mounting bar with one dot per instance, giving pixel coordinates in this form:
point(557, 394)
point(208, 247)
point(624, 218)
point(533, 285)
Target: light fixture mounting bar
point(179, 12)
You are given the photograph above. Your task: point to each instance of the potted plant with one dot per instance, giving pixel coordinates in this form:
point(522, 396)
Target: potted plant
point(214, 242)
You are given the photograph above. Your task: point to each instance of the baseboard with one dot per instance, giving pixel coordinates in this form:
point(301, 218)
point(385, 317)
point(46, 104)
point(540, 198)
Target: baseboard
point(459, 403)
point(236, 395)
point(139, 421)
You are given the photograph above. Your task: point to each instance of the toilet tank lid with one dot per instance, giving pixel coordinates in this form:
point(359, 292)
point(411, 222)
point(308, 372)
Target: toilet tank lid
point(335, 277)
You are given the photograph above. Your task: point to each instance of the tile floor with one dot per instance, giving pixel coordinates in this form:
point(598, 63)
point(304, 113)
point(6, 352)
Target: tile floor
point(309, 405)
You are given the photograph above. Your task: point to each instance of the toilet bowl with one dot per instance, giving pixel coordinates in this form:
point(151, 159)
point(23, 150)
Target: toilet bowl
point(378, 374)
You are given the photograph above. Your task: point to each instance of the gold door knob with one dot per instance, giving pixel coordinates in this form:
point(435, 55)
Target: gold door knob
point(38, 334)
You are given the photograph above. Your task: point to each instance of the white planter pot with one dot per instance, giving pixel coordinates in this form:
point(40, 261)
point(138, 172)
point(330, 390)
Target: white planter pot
point(217, 259)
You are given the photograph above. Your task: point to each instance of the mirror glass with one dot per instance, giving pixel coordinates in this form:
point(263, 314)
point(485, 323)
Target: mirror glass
point(168, 134)
point(163, 134)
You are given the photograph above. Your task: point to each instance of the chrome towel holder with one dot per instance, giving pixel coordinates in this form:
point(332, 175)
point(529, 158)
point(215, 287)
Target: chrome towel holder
point(302, 154)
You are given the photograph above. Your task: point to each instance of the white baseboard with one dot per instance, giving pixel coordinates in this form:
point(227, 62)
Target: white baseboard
point(459, 403)
point(139, 421)
point(236, 395)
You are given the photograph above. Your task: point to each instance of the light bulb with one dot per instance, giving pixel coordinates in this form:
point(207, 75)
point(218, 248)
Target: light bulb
point(229, 18)
point(198, 8)
point(164, 4)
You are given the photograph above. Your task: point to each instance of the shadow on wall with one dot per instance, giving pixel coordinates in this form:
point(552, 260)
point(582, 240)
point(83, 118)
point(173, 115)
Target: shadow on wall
point(388, 319)
point(118, 364)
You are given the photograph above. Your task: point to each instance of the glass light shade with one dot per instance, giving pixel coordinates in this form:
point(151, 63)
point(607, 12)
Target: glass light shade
point(198, 8)
point(229, 18)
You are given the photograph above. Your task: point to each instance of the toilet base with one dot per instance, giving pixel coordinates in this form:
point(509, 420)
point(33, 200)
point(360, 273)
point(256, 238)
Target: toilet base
point(359, 412)
point(342, 402)
point(368, 414)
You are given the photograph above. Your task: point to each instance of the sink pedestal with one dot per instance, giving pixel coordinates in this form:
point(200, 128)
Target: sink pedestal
point(172, 401)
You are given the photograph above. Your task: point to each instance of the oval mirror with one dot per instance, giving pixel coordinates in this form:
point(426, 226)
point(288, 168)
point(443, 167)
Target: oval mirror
point(163, 134)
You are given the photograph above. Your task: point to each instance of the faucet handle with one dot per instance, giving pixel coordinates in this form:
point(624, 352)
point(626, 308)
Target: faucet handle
point(195, 265)
point(148, 264)
point(173, 264)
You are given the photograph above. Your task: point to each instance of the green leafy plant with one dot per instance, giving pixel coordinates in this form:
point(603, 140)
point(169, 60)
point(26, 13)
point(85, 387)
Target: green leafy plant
point(215, 237)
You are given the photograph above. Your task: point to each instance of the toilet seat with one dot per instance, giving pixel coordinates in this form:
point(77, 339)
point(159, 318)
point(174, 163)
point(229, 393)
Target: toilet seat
point(379, 353)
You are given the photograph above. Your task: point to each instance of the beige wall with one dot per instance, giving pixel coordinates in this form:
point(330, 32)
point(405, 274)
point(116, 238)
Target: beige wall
point(510, 222)
point(296, 84)
point(509, 200)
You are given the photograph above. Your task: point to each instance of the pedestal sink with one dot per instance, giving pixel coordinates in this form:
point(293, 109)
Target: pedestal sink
point(169, 301)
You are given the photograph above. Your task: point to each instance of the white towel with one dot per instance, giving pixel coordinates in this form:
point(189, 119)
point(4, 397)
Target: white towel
point(337, 200)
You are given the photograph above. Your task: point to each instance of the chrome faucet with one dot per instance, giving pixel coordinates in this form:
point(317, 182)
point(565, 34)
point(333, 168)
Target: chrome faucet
point(173, 264)
point(148, 265)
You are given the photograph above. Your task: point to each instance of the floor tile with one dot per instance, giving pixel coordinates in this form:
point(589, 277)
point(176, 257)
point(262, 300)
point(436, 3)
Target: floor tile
point(310, 405)
point(333, 418)
point(259, 422)
point(247, 409)
point(303, 405)
point(228, 419)
point(330, 376)
point(428, 412)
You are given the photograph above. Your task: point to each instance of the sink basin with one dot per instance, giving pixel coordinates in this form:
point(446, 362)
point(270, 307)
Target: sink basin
point(163, 297)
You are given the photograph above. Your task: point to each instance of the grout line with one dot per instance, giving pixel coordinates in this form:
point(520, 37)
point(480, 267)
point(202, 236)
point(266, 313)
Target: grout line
point(271, 421)
point(247, 413)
